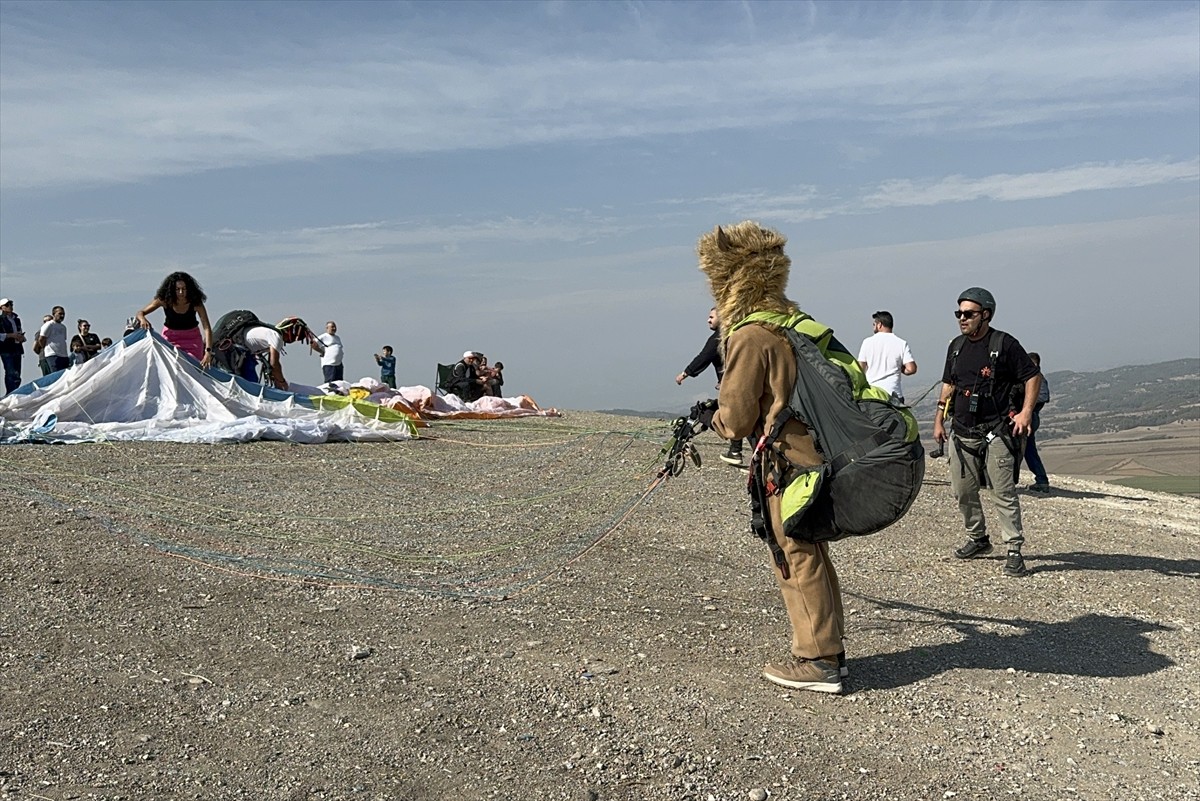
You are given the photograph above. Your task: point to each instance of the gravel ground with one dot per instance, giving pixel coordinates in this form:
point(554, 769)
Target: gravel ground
point(502, 613)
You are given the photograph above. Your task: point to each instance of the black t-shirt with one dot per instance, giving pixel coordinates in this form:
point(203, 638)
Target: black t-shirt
point(981, 398)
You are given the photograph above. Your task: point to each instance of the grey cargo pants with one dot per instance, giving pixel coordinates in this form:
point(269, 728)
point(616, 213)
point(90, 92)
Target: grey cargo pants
point(966, 481)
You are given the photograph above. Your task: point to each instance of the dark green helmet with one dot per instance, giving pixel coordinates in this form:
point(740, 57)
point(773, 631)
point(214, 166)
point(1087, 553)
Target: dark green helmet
point(978, 294)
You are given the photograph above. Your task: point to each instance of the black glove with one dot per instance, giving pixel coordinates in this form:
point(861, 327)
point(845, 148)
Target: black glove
point(703, 412)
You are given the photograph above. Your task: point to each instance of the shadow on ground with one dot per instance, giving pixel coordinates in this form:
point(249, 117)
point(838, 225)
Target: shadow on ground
point(1062, 492)
point(1101, 646)
point(1082, 560)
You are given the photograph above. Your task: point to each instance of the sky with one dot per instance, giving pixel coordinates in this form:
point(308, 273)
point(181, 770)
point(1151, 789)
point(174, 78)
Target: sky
point(530, 179)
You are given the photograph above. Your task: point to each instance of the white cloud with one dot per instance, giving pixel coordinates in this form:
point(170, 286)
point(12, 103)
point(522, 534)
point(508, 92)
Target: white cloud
point(73, 113)
point(1030, 186)
point(806, 203)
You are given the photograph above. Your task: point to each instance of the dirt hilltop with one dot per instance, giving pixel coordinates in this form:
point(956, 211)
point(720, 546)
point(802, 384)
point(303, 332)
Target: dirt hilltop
point(498, 613)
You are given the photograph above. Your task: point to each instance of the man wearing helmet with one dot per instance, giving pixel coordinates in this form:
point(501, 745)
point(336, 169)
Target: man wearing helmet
point(989, 388)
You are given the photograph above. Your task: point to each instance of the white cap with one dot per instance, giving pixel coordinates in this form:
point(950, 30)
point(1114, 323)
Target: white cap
point(468, 354)
point(5, 301)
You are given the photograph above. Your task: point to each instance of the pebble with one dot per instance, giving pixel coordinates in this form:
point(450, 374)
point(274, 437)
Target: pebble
point(758, 794)
point(359, 652)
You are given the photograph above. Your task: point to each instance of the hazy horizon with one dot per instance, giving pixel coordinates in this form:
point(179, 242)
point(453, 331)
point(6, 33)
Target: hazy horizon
point(530, 179)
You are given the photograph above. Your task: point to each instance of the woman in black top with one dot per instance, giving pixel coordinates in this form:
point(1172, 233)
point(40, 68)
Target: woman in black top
point(85, 342)
point(186, 326)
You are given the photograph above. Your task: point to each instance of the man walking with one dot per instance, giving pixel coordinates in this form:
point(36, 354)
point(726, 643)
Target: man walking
point(884, 357)
point(331, 360)
point(1033, 460)
point(51, 343)
point(710, 354)
point(990, 387)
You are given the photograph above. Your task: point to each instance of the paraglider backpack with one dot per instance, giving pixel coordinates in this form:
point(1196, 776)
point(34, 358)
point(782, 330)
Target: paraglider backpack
point(229, 335)
point(873, 463)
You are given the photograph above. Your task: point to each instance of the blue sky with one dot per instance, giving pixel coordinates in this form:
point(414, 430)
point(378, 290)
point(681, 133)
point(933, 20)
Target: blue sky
point(530, 179)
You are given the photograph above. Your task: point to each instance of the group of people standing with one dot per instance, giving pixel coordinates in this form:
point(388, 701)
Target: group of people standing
point(50, 344)
point(992, 391)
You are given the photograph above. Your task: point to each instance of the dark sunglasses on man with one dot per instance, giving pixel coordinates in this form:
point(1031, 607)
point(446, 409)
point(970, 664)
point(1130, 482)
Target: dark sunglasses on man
point(969, 314)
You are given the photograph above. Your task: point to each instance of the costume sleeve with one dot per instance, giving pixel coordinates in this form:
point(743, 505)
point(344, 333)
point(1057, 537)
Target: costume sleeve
point(705, 357)
point(742, 387)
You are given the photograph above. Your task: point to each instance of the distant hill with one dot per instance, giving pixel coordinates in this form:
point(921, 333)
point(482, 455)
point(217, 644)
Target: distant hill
point(1082, 403)
point(1114, 400)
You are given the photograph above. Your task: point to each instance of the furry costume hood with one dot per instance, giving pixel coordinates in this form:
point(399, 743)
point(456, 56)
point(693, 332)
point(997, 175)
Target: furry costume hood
point(747, 271)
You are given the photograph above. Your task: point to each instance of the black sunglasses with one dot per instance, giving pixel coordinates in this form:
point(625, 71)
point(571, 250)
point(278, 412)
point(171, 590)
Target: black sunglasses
point(966, 315)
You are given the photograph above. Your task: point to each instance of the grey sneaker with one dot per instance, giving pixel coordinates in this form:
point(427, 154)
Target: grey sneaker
point(818, 675)
point(1014, 565)
point(973, 547)
point(1039, 487)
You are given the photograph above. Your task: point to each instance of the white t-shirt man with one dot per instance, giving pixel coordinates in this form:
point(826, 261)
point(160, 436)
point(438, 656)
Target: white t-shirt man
point(333, 349)
point(56, 339)
point(885, 355)
point(260, 339)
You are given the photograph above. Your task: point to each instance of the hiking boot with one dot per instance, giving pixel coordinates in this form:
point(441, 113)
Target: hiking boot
point(973, 547)
point(1014, 565)
point(818, 675)
point(843, 670)
point(733, 456)
point(1039, 487)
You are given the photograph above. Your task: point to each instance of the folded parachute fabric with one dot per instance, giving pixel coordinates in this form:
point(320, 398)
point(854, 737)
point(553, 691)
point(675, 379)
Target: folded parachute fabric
point(421, 402)
point(143, 389)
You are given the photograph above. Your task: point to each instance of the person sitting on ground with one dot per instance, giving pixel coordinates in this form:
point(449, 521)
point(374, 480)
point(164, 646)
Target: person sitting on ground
point(387, 366)
point(186, 325)
point(85, 344)
point(495, 382)
point(465, 381)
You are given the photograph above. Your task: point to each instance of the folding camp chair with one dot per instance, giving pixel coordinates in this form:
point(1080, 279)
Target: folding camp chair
point(442, 385)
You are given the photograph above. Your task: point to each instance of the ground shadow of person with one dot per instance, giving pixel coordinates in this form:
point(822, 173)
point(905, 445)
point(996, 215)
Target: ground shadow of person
point(1101, 646)
point(1082, 560)
point(1057, 491)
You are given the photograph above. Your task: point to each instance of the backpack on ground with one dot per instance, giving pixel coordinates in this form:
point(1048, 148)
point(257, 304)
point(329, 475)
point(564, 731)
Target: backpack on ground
point(873, 461)
point(230, 350)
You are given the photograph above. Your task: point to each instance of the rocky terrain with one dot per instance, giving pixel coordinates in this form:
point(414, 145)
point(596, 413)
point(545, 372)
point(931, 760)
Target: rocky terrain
point(501, 612)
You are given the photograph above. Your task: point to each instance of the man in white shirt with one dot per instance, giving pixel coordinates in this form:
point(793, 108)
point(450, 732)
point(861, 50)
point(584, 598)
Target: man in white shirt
point(264, 339)
point(885, 357)
point(331, 359)
point(51, 343)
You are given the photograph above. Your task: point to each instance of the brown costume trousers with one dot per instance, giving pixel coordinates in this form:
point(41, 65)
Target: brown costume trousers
point(811, 594)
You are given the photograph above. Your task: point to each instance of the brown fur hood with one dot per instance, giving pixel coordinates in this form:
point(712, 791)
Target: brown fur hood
point(747, 271)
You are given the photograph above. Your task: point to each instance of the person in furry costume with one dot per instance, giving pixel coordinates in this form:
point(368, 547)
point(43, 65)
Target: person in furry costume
point(747, 272)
